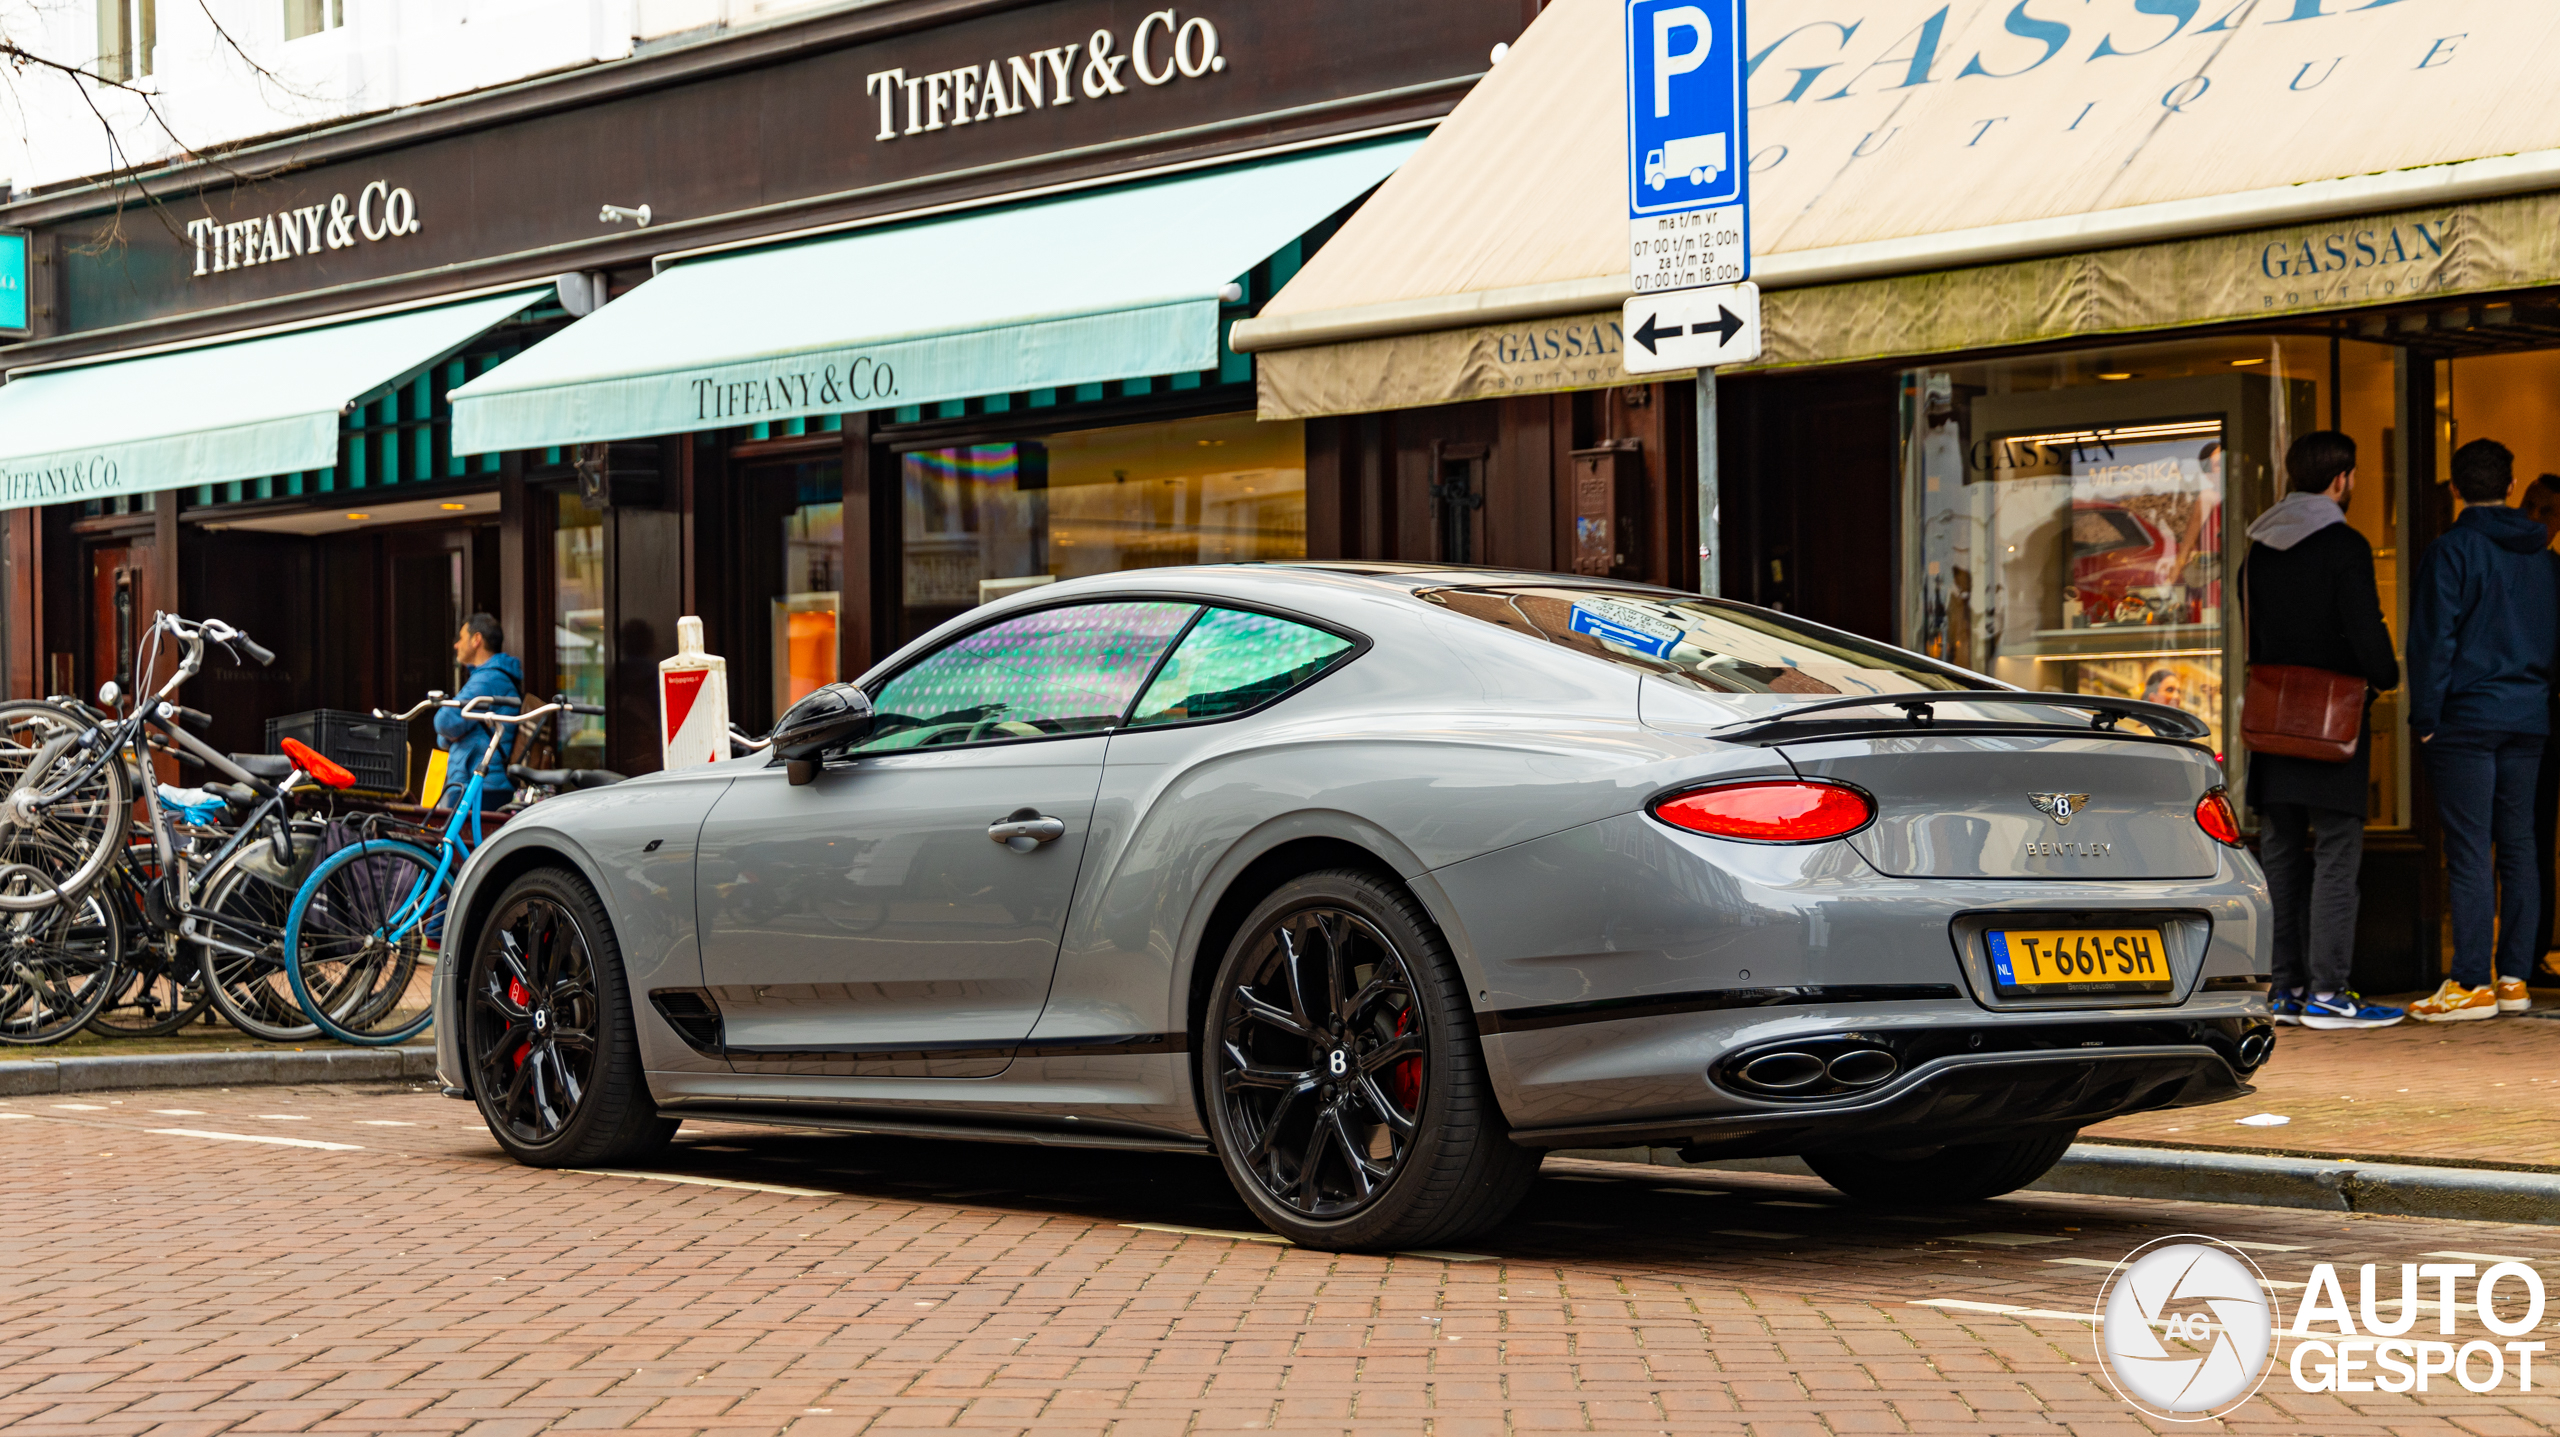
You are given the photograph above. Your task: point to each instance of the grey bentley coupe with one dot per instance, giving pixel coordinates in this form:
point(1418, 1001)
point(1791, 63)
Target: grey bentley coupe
point(1377, 881)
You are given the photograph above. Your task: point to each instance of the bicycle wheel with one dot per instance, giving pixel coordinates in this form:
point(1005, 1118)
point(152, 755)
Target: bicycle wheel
point(247, 899)
point(56, 968)
point(355, 937)
point(62, 817)
point(158, 990)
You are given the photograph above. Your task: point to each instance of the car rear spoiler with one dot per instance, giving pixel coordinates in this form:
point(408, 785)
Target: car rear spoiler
point(1920, 711)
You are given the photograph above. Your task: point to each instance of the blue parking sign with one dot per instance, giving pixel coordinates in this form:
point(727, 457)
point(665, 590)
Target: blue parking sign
point(13, 280)
point(1688, 148)
point(1684, 106)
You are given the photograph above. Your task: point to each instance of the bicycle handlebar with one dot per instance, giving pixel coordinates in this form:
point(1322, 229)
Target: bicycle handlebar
point(194, 633)
point(476, 709)
point(435, 698)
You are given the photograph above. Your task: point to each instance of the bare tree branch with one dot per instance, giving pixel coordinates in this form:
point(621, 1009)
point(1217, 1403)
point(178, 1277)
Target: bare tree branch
point(124, 170)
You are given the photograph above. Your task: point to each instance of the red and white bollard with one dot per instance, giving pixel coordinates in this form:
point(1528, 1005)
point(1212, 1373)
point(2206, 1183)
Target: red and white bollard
point(693, 701)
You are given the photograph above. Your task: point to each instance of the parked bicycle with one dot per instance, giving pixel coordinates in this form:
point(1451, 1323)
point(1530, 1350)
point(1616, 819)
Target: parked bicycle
point(366, 921)
point(95, 910)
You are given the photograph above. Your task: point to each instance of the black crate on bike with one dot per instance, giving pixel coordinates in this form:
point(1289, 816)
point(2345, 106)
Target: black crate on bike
point(375, 750)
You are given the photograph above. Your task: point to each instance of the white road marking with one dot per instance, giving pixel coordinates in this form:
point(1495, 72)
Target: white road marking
point(2007, 1239)
point(258, 1138)
point(1208, 1232)
point(17, 1115)
point(2002, 1309)
point(692, 1181)
point(1233, 1236)
point(177, 1112)
point(2101, 1262)
point(82, 1107)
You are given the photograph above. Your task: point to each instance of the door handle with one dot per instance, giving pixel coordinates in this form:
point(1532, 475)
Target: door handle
point(1026, 830)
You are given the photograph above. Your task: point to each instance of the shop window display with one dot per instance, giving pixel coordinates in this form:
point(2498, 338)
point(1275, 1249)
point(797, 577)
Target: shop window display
point(2078, 521)
point(804, 612)
point(579, 651)
point(983, 519)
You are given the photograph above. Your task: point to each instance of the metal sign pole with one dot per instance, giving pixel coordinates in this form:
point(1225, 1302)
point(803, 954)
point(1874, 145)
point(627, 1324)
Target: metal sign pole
point(1688, 203)
point(1710, 492)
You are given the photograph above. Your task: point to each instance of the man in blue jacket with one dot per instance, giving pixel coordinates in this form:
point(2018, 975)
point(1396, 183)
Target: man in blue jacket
point(2482, 643)
point(485, 670)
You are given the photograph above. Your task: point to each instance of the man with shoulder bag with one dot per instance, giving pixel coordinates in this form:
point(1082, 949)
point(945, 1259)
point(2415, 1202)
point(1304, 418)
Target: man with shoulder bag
point(2318, 652)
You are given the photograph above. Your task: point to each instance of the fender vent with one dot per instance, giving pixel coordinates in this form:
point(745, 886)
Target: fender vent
point(696, 1019)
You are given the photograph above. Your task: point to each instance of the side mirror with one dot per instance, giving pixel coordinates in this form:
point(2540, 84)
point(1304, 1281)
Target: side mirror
point(834, 716)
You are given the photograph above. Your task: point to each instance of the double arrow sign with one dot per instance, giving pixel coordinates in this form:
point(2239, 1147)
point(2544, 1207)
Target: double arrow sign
point(1727, 325)
point(1692, 328)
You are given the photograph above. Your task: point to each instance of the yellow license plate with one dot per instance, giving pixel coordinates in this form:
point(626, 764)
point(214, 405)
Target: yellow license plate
point(2079, 960)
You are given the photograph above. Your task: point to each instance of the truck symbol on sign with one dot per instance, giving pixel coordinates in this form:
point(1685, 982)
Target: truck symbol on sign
point(1702, 156)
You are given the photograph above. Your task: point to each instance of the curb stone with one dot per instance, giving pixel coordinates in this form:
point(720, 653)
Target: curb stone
point(2247, 1179)
point(214, 1070)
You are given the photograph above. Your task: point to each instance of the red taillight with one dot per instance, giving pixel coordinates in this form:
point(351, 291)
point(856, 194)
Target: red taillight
point(2214, 816)
point(1771, 811)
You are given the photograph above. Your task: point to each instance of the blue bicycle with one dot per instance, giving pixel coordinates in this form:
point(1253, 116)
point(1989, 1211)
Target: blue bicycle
point(364, 926)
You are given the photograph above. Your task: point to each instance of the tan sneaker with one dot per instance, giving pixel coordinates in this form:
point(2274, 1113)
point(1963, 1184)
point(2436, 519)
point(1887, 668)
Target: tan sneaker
point(2512, 997)
point(2454, 1003)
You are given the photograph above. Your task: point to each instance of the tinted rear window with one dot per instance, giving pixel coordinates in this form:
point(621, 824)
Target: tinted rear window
point(1722, 648)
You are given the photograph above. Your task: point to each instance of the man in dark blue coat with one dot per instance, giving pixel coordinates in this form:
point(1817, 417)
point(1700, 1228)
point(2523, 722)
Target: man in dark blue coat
point(2482, 641)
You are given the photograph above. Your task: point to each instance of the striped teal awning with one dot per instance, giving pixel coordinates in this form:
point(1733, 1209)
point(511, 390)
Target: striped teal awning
point(1119, 284)
point(237, 410)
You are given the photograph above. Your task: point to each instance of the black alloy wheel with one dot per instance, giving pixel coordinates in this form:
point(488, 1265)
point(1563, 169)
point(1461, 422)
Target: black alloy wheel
point(1323, 1064)
point(554, 1064)
point(1346, 1091)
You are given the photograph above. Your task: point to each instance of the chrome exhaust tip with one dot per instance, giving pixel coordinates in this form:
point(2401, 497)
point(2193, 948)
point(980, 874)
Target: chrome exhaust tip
point(1863, 1067)
point(1782, 1072)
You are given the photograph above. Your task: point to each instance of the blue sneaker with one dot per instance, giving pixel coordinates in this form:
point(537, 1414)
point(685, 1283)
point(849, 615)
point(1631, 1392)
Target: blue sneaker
point(2346, 1010)
point(2286, 1005)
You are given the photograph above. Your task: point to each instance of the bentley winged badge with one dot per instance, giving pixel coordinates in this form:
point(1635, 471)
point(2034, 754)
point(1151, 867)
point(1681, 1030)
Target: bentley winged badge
point(2060, 805)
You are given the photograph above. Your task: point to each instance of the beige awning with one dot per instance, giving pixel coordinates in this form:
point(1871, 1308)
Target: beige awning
point(1977, 173)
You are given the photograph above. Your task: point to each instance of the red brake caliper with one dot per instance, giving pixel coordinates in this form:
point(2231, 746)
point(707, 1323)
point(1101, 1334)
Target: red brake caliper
point(522, 997)
point(1404, 1080)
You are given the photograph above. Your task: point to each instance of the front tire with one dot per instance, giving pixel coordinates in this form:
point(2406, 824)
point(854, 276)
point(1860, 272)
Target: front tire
point(547, 1031)
point(1968, 1173)
point(1344, 1083)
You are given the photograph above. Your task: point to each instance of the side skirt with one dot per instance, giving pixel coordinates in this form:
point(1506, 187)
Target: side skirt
point(1128, 1137)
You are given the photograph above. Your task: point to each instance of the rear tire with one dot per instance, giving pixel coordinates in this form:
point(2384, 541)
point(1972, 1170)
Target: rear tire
point(1343, 1080)
point(250, 989)
point(1969, 1173)
point(546, 1030)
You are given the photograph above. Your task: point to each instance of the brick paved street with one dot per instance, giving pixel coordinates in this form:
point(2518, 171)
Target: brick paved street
point(2484, 1093)
point(389, 1272)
